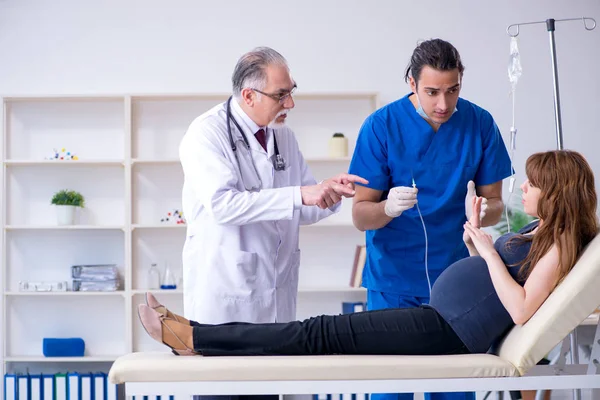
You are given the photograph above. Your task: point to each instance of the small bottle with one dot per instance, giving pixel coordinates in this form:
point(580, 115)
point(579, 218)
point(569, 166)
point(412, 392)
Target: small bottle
point(153, 277)
point(338, 146)
point(169, 280)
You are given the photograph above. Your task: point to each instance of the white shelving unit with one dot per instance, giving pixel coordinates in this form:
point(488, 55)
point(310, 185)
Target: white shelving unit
point(129, 172)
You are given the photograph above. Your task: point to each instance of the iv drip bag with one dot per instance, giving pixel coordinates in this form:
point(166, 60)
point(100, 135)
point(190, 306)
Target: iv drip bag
point(514, 64)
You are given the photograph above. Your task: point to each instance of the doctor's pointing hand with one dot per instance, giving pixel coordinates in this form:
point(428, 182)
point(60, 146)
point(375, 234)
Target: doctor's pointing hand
point(329, 192)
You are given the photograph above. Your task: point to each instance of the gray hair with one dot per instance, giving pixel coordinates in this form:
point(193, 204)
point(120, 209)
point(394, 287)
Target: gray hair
point(250, 70)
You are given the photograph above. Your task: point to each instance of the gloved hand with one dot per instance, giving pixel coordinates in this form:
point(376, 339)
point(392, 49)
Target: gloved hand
point(400, 199)
point(469, 202)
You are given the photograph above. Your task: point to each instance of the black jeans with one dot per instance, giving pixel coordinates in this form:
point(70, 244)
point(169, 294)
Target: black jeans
point(401, 331)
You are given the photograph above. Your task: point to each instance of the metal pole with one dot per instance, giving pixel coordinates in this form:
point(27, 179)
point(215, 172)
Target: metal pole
point(550, 26)
point(575, 359)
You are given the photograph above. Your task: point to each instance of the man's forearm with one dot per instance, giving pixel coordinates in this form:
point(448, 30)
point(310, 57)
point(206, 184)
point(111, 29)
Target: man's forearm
point(493, 213)
point(369, 215)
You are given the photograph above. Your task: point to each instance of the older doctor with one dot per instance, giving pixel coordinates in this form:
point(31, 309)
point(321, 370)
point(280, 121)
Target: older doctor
point(247, 189)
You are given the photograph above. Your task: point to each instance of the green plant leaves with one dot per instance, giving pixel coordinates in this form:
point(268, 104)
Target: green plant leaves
point(67, 197)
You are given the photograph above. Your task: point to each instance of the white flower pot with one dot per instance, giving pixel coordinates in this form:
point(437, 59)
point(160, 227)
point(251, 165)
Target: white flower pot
point(65, 215)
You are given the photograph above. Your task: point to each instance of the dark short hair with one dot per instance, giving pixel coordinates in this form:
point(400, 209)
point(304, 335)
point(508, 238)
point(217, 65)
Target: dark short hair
point(436, 53)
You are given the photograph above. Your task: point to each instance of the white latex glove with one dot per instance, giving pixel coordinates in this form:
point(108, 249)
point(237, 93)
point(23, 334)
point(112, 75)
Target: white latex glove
point(469, 202)
point(400, 199)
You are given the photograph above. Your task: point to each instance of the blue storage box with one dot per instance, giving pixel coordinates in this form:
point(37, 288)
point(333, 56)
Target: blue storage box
point(63, 347)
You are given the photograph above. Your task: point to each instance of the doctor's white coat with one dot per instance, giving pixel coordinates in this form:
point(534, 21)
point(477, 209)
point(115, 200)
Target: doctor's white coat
point(241, 257)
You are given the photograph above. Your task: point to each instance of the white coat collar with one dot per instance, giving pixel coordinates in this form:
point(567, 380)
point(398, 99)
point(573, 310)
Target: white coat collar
point(250, 127)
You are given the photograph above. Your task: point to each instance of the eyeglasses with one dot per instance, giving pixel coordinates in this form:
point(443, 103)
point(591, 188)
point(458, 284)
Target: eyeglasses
point(279, 97)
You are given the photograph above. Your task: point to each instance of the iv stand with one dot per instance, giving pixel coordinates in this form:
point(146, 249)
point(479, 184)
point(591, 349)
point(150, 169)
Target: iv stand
point(550, 26)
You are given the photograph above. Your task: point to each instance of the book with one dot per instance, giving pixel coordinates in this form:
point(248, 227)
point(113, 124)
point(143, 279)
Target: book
point(360, 257)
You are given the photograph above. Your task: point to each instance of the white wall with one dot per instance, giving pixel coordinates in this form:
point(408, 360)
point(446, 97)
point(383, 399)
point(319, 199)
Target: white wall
point(151, 46)
point(77, 47)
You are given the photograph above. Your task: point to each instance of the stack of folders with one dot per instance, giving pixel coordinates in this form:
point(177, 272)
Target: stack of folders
point(95, 278)
point(69, 386)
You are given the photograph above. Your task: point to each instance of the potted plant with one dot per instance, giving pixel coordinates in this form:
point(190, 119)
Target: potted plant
point(67, 202)
point(516, 217)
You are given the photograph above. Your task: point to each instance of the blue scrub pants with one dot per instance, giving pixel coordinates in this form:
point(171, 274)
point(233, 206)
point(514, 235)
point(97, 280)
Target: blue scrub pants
point(380, 300)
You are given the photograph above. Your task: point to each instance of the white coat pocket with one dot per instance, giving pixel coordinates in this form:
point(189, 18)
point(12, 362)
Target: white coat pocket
point(233, 273)
point(288, 280)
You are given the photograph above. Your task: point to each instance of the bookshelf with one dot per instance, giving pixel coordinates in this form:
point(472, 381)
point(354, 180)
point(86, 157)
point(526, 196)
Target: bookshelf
point(129, 172)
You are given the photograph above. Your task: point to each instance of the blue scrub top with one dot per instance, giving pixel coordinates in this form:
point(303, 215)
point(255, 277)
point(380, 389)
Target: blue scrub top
point(395, 143)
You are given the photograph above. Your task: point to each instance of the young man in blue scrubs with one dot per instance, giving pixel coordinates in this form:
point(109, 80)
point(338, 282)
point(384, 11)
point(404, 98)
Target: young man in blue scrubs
point(442, 142)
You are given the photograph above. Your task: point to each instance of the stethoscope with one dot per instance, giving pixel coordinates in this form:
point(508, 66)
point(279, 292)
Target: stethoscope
point(278, 160)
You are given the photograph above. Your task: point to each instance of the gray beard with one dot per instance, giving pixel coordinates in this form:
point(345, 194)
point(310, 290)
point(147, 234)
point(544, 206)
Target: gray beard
point(276, 125)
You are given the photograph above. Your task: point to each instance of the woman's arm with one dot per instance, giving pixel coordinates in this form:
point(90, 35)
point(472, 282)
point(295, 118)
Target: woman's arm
point(472, 250)
point(474, 221)
point(520, 302)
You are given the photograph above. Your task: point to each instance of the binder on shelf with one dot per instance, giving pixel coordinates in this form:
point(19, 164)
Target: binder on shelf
point(360, 257)
point(341, 396)
point(35, 387)
point(354, 396)
point(10, 387)
point(112, 390)
point(23, 387)
point(99, 385)
point(60, 387)
point(86, 389)
point(47, 387)
point(73, 387)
